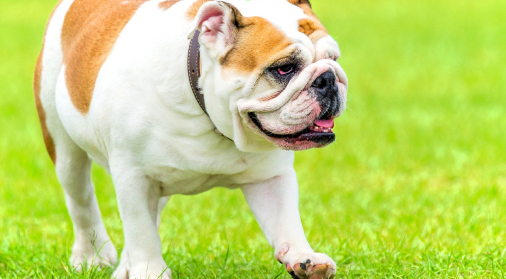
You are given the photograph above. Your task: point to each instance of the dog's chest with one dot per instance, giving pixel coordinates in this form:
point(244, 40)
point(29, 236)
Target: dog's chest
point(188, 182)
point(193, 177)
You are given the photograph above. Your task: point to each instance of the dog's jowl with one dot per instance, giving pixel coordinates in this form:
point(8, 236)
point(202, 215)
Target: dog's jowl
point(177, 97)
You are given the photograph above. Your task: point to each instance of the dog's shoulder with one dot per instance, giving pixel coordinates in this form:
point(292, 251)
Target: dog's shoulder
point(89, 32)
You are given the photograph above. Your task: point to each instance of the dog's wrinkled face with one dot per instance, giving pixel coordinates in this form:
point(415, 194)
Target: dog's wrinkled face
point(270, 74)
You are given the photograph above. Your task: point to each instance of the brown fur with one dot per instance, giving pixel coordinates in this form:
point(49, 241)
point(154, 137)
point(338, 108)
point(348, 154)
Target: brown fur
point(48, 140)
point(256, 43)
point(257, 40)
point(310, 26)
point(165, 5)
point(89, 32)
point(313, 29)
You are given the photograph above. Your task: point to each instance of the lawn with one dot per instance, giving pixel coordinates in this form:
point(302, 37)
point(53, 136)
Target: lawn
point(413, 187)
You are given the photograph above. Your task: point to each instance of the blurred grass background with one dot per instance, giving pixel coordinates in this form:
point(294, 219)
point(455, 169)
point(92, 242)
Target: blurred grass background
point(414, 187)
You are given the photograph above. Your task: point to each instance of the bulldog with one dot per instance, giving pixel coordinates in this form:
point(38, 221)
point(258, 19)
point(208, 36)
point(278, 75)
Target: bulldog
point(177, 97)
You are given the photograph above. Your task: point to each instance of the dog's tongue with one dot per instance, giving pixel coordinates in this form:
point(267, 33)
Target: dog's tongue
point(325, 123)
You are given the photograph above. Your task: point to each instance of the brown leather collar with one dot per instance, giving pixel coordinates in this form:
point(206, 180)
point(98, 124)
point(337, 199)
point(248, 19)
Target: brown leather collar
point(193, 62)
point(194, 69)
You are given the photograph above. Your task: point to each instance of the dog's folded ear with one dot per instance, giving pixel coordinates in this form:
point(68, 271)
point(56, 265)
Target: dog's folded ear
point(218, 23)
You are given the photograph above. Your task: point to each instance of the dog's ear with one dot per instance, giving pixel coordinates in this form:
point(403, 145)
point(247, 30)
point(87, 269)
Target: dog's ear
point(218, 23)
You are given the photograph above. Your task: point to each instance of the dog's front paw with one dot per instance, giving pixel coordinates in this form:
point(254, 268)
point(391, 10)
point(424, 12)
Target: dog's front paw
point(141, 270)
point(311, 266)
point(84, 255)
point(149, 271)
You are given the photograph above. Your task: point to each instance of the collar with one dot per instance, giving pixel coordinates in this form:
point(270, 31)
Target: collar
point(193, 63)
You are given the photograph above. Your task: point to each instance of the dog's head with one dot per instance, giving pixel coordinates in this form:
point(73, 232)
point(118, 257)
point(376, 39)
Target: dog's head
point(269, 73)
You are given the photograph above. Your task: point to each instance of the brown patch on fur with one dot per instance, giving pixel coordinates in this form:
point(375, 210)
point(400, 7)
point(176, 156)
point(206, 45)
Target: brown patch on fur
point(194, 8)
point(165, 5)
point(257, 41)
point(310, 26)
point(313, 29)
point(48, 140)
point(89, 32)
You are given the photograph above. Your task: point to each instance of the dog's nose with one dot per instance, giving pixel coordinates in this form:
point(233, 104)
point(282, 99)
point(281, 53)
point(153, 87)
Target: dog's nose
point(325, 84)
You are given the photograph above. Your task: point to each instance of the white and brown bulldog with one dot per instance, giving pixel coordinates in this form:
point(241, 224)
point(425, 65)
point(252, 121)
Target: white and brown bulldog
point(113, 84)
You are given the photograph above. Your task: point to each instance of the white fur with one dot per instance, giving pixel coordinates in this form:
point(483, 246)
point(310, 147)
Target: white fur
point(145, 127)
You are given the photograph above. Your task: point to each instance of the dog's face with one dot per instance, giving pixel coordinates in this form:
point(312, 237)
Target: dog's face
point(270, 76)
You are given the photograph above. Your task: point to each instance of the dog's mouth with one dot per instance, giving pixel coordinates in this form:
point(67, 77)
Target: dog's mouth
point(319, 132)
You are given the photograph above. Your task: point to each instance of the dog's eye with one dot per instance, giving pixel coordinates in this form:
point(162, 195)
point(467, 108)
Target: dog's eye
point(283, 72)
point(286, 69)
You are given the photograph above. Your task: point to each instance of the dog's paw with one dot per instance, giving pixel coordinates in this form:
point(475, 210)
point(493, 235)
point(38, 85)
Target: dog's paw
point(123, 268)
point(311, 266)
point(87, 255)
point(140, 271)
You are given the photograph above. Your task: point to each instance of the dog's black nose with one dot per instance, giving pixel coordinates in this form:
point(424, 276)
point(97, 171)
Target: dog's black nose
point(325, 84)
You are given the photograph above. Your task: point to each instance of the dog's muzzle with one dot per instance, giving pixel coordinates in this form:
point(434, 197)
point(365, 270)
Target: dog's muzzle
point(326, 91)
point(303, 115)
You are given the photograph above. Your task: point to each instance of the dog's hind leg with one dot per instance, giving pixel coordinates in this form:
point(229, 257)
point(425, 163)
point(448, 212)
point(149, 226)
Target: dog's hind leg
point(92, 244)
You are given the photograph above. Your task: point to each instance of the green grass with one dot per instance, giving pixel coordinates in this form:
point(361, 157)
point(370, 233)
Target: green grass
point(414, 187)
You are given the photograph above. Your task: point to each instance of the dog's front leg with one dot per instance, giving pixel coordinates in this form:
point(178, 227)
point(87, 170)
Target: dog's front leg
point(138, 201)
point(275, 204)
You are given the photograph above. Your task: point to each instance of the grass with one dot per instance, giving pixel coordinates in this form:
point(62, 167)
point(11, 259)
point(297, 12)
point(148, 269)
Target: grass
point(414, 187)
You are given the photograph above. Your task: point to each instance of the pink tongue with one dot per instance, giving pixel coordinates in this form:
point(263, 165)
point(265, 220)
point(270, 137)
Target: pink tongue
point(324, 123)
